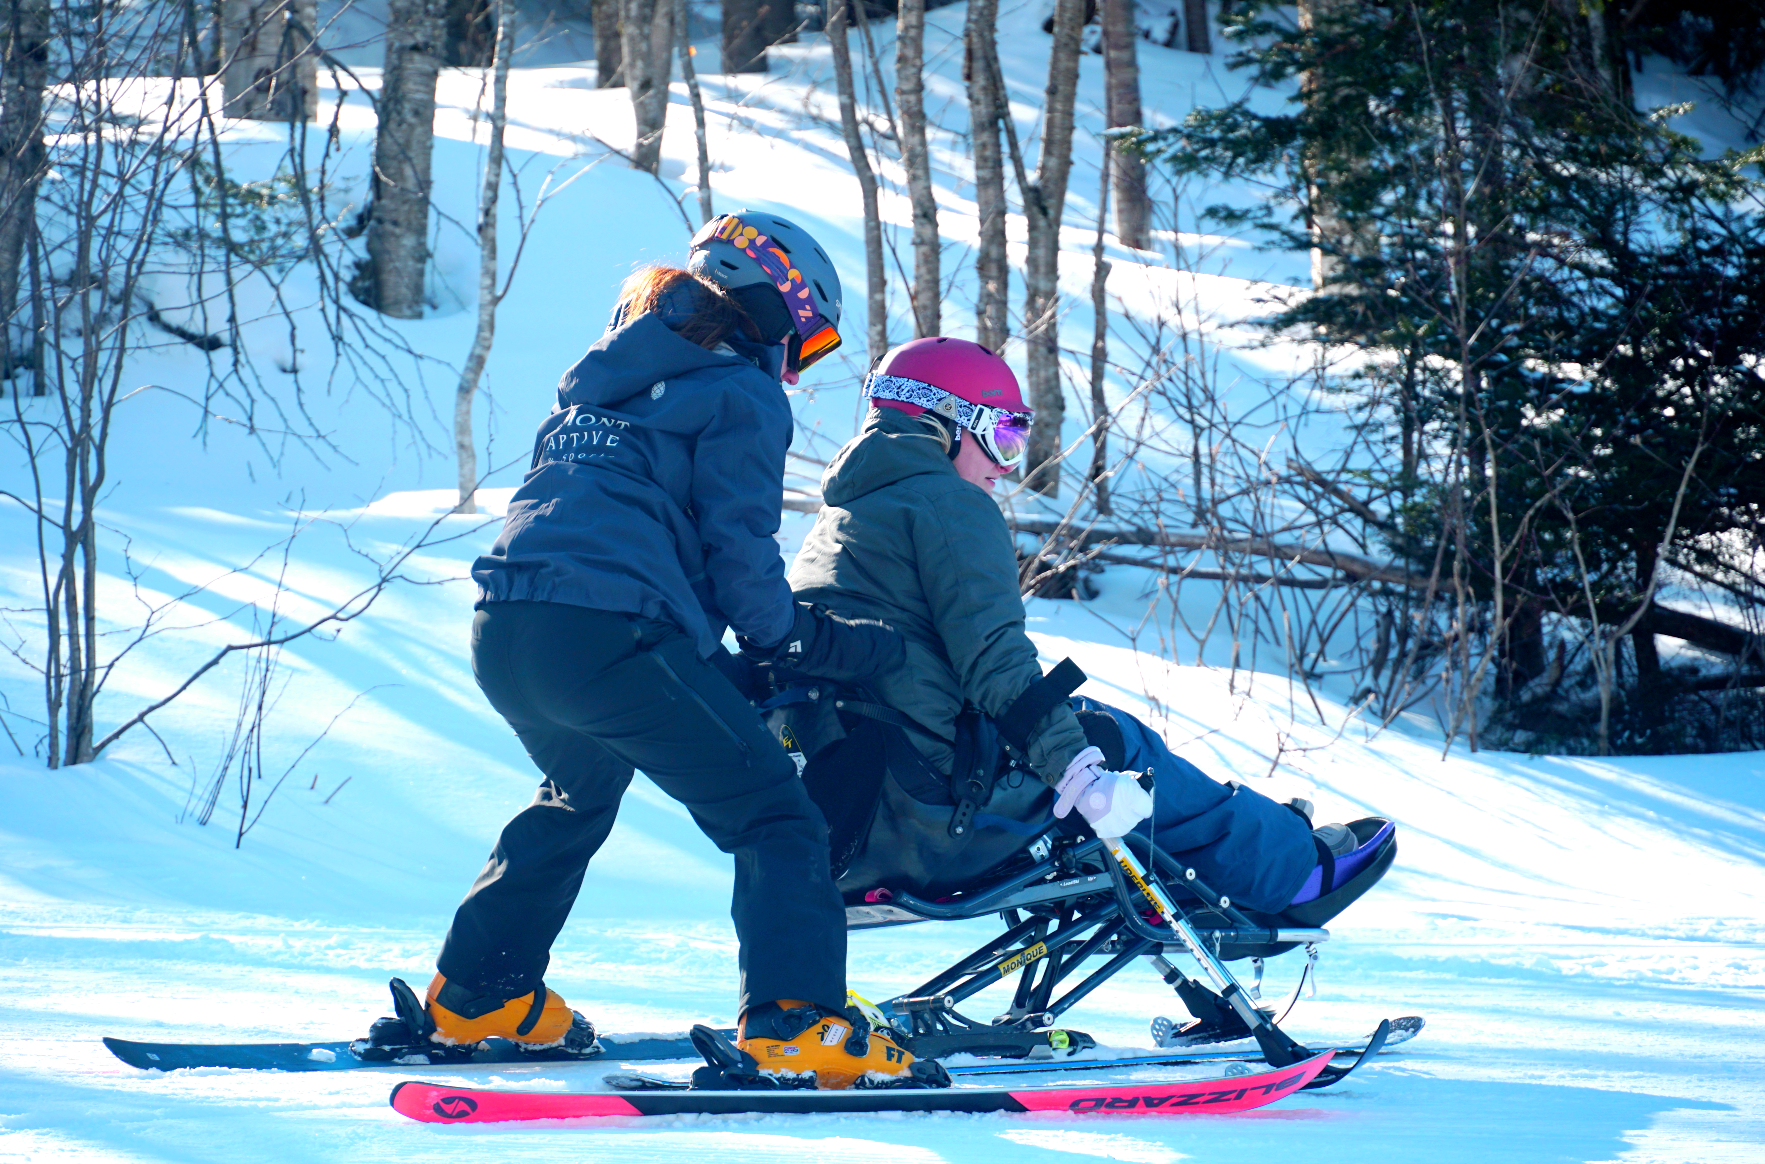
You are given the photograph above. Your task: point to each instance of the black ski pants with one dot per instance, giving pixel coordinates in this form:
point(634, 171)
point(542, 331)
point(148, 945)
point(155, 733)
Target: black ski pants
point(593, 695)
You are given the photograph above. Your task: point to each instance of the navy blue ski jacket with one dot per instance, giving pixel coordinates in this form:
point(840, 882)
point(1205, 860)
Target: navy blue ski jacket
point(655, 490)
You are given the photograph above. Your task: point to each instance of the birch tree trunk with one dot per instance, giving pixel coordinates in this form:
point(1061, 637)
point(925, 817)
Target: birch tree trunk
point(648, 49)
point(986, 106)
point(1044, 203)
point(464, 445)
point(398, 219)
point(876, 302)
point(691, 76)
point(744, 35)
point(608, 52)
point(24, 71)
point(269, 70)
point(1197, 35)
point(1121, 63)
point(926, 292)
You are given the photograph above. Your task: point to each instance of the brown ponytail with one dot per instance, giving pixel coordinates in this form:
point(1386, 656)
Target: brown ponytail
point(715, 316)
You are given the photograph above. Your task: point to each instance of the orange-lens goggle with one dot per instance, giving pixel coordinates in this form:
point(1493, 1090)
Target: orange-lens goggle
point(815, 335)
point(812, 347)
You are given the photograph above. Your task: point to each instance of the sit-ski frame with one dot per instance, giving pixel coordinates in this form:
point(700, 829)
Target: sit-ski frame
point(1085, 898)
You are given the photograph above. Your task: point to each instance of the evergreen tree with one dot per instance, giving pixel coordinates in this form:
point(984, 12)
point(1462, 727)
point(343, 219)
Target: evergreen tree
point(1560, 300)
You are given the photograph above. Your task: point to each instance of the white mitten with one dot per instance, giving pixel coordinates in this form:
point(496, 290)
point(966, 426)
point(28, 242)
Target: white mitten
point(1112, 802)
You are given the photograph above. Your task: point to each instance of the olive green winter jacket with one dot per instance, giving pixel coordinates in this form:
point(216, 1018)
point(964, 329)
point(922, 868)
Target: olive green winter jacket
point(906, 540)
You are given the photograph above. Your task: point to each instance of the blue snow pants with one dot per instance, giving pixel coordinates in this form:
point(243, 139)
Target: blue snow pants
point(1255, 850)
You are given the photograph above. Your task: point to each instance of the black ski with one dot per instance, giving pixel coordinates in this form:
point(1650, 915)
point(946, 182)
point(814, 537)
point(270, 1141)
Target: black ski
point(1389, 1033)
point(342, 1056)
point(613, 1049)
point(1399, 1031)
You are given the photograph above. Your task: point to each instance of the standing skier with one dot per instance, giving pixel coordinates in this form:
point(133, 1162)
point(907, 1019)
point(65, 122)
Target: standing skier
point(645, 527)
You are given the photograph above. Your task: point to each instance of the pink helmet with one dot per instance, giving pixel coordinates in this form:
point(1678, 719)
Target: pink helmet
point(960, 381)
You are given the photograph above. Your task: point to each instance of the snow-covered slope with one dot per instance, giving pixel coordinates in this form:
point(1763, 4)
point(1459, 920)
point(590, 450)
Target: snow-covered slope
point(1584, 936)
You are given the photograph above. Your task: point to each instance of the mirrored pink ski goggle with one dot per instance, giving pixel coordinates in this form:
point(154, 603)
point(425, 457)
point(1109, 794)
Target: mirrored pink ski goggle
point(1004, 436)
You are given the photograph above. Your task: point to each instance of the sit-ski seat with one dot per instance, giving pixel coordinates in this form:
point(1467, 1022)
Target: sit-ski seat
point(1327, 892)
point(1067, 902)
point(1062, 896)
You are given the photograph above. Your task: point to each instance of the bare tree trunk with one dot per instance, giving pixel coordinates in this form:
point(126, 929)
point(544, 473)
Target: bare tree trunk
point(608, 54)
point(779, 19)
point(986, 105)
point(1121, 63)
point(24, 71)
point(398, 218)
point(1595, 57)
point(744, 35)
point(1648, 655)
point(1044, 203)
point(487, 293)
point(691, 76)
point(926, 293)
point(470, 36)
point(1100, 344)
point(1197, 36)
point(876, 303)
point(648, 28)
point(269, 68)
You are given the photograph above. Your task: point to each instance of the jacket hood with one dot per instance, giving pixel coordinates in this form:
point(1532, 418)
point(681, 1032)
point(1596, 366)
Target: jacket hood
point(891, 447)
point(629, 359)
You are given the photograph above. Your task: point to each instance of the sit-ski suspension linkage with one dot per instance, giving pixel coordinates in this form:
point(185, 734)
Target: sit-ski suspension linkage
point(1044, 951)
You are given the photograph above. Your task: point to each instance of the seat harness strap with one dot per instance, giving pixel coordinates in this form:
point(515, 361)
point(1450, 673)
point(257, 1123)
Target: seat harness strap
point(971, 778)
point(1017, 723)
point(977, 735)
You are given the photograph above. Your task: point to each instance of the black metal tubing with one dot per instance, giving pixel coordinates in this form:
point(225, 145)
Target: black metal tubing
point(1026, 983)
point(1034, 994)
point(1097, 978)
point(991, 901)
point(988, 975)
point(977, 960)
point(1058, 971)
point(999, 897)
point(1141, 928)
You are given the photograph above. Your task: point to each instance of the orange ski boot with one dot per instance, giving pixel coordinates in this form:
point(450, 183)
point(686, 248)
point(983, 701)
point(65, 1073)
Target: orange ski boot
point(538, 1020)
point(791, 1040)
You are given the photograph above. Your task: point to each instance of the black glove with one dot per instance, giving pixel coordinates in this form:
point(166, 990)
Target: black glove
point(741, 673)
point(827, 646)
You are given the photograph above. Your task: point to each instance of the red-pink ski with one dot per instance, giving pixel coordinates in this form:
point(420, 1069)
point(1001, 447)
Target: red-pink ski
point(439, 1104)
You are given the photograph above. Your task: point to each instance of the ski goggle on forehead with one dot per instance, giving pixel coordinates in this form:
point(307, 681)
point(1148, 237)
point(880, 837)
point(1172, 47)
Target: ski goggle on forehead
point(1003, 435)
point(814, 337)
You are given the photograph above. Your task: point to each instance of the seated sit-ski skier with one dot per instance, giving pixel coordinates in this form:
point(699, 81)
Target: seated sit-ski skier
point(910, 536)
